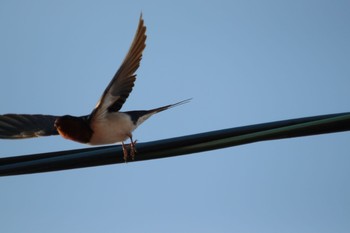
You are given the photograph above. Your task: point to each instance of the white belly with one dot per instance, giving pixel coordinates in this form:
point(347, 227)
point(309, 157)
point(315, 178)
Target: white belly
point(117, 127)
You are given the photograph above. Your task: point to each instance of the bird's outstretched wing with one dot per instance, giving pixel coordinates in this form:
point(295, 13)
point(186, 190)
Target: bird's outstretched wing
point(122, 83)
point(17, 126)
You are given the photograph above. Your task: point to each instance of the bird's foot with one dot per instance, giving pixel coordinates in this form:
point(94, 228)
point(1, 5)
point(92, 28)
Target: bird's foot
point(133, 149)
point(131, 153)
point(125, 152)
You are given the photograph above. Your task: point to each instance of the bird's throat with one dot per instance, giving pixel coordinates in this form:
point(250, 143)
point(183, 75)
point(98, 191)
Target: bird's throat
point(74, 128)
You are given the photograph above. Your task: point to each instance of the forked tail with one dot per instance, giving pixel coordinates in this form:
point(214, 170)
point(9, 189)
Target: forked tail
point(138, 117)
point(156, 110)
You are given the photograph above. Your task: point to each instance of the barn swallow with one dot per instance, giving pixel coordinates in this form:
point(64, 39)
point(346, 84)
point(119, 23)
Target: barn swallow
point(106, 124)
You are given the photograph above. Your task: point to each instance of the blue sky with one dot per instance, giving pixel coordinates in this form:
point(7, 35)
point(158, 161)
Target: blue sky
point(242, 62)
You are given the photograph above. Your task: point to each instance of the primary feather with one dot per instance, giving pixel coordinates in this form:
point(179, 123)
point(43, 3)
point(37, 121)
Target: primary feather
point(122, 83)
point(16, 126)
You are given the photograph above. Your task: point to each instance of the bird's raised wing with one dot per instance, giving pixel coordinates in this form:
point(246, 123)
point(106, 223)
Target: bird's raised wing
point(122, 83)
point(16, 126)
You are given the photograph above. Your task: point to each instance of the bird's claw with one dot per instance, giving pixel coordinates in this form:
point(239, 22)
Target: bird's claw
point(129, 150)
point(133, 149)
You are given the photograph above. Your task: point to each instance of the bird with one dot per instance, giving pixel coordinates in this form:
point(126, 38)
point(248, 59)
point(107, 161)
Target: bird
point(106, 124)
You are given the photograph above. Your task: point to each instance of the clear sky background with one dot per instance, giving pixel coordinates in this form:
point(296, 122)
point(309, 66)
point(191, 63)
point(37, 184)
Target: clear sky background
point(242, 62)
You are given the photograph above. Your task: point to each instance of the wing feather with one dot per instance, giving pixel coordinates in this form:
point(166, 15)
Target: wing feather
point(16, 126)
point(122, 83)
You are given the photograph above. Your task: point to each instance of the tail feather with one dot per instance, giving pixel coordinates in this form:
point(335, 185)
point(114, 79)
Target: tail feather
point(138, 117)
point(156, 110)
